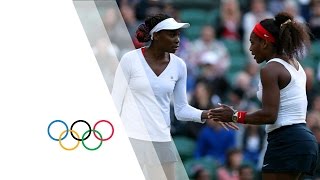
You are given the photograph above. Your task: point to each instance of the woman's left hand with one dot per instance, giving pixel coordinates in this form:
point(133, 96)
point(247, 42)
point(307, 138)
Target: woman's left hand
point(223, 113)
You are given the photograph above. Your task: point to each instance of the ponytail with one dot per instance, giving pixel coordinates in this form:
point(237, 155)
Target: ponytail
point(292, 38)
point(143, 31)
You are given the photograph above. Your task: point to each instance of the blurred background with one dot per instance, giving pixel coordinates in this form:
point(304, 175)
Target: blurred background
point(220, 70)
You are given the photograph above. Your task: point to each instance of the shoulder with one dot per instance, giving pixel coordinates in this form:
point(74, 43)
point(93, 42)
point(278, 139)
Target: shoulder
point(131, 54)
point(177, 60)
point(274, 65)
point(271, 71)
point(130, 60)
point(222, 171)
point(277, 65)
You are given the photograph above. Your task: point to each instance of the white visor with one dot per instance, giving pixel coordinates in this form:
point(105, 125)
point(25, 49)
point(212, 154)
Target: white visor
point(168, 24)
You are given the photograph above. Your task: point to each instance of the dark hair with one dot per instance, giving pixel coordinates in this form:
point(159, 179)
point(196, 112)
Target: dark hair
point(244, 166)
point(144, 29)
point(292, 38)
point(197, 169)
point(198, 172)
point(238, 92)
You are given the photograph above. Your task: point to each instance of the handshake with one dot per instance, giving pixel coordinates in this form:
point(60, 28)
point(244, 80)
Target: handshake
point(225, 115)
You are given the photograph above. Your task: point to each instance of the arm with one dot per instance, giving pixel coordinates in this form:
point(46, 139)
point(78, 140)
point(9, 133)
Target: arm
point(270, 97)
point(183, 110)
point(120, 84)
point(270, 100)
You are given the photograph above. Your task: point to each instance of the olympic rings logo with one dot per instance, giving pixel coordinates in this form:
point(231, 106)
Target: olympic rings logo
point(84, 136)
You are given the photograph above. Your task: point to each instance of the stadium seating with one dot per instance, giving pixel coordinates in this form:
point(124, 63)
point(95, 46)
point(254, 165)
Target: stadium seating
point(207, 163)
point(201, 4)
point(185, 146)
point(198, 17)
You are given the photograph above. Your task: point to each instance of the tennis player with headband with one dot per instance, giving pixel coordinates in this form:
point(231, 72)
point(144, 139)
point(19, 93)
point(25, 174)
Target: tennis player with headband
point(292, 149)
point(145, 81)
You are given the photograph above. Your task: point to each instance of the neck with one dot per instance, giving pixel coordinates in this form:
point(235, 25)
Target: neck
point(155, 53)
point(283, 57)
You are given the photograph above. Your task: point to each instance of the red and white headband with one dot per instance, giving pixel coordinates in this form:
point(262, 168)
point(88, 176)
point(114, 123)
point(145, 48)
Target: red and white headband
point(260, 31)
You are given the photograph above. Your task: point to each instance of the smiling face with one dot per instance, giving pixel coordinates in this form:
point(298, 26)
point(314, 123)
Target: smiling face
point(258, 48)
point(168, 40)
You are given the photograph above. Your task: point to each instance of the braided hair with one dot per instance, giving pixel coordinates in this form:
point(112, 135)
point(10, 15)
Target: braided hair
point(144, 29)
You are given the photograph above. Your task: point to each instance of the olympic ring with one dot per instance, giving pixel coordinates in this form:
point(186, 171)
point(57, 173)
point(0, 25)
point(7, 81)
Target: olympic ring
point(63, 124)
point(86, 124)
point(92, 149)
point(83, 137)
point(68, 149)
point(94, 127)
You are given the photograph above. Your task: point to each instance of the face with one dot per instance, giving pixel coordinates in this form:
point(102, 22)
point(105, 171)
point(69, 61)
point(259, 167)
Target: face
point(201, 91)
point(204, 175)
point(168, 40)
point(236, 159)
point(257, 48)
point(246, 174)
point(258, 6)
point(207, 34)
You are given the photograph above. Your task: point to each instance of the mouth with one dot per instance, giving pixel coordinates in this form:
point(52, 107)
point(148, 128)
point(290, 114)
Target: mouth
point(175, 47)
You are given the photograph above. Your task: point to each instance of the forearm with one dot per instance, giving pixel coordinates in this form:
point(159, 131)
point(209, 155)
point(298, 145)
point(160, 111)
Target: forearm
point(260, 117)
point(189, 113)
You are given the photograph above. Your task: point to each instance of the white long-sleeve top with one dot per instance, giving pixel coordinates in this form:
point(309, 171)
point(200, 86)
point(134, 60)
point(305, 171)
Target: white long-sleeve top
point(143, 99)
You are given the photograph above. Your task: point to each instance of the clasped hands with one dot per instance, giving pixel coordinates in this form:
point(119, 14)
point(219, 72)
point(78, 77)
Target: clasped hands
point(223, 115)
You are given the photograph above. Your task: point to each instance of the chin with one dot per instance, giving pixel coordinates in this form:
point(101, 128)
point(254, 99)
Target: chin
point(172, 51)
point(259, 61)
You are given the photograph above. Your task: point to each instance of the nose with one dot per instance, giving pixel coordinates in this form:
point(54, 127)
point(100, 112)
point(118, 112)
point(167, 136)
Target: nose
point(177, 40)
